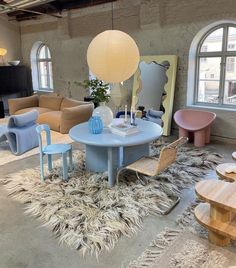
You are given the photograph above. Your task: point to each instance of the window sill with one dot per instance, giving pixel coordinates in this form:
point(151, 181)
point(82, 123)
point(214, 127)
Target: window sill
point(44, 90)
point(228, 109)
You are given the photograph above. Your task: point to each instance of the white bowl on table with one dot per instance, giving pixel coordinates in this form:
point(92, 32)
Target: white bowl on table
point(14, 62)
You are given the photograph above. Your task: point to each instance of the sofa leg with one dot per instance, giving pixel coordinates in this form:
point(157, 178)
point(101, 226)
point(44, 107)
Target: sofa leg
point(183, 133)
point(199, 138)
point(208, 134)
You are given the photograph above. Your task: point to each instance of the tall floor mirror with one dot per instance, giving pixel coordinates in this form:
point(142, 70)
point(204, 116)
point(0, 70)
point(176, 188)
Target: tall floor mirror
point(154, 86)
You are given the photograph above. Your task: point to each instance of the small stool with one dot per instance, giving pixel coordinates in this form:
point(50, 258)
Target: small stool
point(220, 170)
point(50, 149)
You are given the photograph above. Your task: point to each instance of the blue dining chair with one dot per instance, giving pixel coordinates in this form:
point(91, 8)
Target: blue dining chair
point(51, 149)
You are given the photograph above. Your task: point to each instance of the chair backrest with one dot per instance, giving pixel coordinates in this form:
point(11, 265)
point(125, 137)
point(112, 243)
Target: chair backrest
point(168, 154)
point(40, 129)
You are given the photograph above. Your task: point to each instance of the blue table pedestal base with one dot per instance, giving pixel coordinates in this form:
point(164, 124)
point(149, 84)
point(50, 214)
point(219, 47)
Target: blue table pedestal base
point(100, 159)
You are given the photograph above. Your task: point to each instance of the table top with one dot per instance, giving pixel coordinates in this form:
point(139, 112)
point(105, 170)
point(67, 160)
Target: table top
point(218, 193)
point(149, 131)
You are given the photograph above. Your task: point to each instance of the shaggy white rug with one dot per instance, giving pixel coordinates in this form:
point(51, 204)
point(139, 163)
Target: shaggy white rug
point(185, 247)
point(88, 215)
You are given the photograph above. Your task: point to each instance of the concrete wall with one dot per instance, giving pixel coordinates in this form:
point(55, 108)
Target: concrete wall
point(10, 39)
point(158, 26)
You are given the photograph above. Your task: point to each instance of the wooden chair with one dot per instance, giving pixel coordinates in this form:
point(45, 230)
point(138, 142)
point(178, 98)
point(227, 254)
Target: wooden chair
point(152, 166)
point(51, 149)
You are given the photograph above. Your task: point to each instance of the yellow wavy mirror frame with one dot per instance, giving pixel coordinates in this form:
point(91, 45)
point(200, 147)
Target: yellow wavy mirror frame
point(169, 87)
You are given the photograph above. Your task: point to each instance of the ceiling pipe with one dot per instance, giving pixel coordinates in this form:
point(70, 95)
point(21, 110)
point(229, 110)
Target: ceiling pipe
point(9, 8)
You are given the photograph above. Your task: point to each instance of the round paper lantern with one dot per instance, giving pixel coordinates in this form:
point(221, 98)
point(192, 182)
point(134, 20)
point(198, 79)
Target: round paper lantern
point(3, 51)
point(113, 56)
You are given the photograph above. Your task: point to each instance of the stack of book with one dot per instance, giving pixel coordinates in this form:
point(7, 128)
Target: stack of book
point(123, 129)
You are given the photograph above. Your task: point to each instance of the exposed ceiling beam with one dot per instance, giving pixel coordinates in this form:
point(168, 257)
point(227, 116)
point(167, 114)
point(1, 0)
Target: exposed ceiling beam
point(17, 9)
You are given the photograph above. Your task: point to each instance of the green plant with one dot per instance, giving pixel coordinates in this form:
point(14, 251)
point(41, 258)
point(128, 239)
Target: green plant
point(98, 89)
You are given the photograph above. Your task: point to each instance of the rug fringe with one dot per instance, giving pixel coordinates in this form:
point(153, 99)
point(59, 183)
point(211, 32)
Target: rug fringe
point(156, 248)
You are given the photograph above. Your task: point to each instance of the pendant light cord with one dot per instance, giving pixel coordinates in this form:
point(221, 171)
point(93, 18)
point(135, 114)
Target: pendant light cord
point(112, 16)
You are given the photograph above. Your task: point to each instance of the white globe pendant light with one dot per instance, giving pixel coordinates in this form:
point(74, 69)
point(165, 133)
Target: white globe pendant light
point(113, 56)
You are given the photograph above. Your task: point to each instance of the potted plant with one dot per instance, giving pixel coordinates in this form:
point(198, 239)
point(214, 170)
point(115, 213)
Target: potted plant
point(99, 95)
point(98, 90)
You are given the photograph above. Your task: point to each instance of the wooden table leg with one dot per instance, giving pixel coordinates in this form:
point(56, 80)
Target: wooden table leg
point(220, 215)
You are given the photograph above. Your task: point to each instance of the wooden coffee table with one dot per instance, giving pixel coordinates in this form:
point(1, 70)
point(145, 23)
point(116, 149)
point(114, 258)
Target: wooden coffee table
point(218, 213)
point(108, 151)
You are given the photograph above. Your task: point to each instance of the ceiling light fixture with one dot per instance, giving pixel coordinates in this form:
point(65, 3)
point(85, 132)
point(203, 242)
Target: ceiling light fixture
point(113, 55)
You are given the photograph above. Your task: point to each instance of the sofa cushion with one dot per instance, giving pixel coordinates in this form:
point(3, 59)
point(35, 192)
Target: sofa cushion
point(52, 118)
point(39, 109)
point(67, 103)
point(50, 102)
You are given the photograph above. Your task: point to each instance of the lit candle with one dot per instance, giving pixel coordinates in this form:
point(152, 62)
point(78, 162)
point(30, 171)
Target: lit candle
point(126, 114)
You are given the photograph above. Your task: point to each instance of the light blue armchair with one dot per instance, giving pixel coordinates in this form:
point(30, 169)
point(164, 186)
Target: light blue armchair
point(21, 132)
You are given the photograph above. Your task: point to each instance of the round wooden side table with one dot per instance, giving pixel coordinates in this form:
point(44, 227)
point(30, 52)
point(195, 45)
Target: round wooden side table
point(220, 170)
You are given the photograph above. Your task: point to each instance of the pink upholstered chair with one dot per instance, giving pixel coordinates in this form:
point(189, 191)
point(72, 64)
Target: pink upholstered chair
point(195, 124)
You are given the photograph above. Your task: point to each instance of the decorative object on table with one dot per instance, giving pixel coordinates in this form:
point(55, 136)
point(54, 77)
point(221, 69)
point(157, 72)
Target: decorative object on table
point(113, 55)
point(14, 62)
point(95, 125)
point(123, 129)
point(132, 117)
point(51, 149)
point(217, 213)
point(154, 116)
point(154, 78)
point(20, 132)
point(195, 124)
point(87, 193)
point(151, 166)
point(227, 171)
point(61, 114)
point(3, 52)
point(104, 112)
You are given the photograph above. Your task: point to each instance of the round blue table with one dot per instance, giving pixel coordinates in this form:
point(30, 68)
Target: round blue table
point(108, 151)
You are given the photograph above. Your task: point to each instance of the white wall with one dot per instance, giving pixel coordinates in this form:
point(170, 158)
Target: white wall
point(158, 26)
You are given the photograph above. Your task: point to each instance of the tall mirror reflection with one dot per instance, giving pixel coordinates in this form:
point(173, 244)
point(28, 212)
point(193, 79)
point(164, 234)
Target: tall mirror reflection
point(153, 89)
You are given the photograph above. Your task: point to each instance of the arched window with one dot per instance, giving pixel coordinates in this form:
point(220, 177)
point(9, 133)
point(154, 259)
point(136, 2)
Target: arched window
point(215, 71)
point(41, 65)
point(44, 65)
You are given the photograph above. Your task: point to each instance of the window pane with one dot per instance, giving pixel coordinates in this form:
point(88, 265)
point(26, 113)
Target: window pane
point(232, 39)
point(50, 74)
point(42, 52)
point(48, 53)
point(209, 80)
point(230, 81)
point(213, 42)
point(43, 74)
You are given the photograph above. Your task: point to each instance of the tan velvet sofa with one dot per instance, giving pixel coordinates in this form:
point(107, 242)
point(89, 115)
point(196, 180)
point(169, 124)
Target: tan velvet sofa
point(61, 114)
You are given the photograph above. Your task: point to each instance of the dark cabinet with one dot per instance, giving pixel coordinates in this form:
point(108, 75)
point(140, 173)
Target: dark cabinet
point(14, 79)
point(14, 82)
